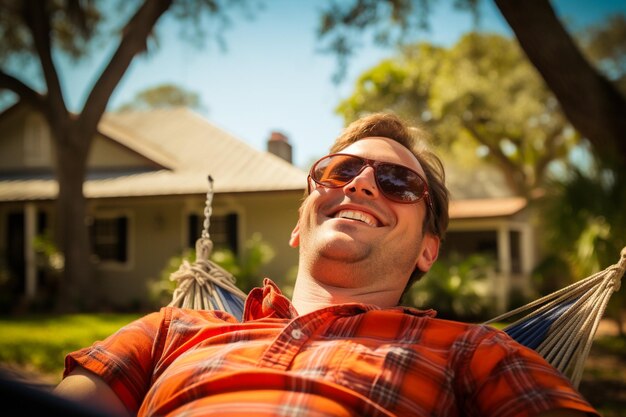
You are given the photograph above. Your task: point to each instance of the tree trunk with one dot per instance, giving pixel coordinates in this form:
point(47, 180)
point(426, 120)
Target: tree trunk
point(590, 101)
point(77, 288)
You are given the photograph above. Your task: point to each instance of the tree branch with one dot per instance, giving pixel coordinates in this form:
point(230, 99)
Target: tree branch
point(26, 94)
point(550, 153)
point(133, 42)
point(37, 18)
point(591, 103)
point(509, 168)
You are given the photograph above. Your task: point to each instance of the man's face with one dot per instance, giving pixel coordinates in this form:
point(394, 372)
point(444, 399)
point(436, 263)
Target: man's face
point(353, 236)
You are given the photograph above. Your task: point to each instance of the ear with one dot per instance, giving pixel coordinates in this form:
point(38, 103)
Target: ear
point(429, 252)
point(294, 240)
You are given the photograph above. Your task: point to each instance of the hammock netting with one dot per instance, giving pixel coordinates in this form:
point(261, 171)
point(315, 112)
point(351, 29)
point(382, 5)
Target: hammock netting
point(559, 326)
point(204, 285)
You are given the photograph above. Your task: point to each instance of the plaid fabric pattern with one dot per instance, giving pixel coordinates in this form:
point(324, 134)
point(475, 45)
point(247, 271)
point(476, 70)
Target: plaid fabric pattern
point(345, 360)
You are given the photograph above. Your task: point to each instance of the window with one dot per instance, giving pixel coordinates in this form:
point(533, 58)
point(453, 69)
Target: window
point(37, 146)
point(223, 231)
point(109, 238)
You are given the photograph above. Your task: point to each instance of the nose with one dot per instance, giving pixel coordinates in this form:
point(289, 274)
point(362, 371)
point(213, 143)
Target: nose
point(364, 183)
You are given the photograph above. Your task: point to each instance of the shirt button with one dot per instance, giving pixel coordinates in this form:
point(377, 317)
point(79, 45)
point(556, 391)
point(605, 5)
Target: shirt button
point(296, 334)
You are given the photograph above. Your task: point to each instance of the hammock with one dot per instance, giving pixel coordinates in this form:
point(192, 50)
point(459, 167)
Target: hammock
point(559, 326)
point(204, 285)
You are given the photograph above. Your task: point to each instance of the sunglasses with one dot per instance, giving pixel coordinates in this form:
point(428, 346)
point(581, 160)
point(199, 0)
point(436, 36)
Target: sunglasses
point(396, 182)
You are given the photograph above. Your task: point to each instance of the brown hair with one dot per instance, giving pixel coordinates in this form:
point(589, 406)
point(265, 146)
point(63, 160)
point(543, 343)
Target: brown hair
point(414, 139)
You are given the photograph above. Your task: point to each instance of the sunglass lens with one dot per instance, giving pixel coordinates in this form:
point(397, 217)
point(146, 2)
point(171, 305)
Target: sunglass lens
point(399, 184)
point(337, 170)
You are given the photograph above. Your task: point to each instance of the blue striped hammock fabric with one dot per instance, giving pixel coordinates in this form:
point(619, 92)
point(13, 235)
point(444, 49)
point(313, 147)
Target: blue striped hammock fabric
point(561, 326)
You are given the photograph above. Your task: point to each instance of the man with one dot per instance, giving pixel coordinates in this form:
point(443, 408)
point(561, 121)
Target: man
point(372, 222)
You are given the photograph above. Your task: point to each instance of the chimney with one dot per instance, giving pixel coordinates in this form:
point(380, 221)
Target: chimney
point(278, 144)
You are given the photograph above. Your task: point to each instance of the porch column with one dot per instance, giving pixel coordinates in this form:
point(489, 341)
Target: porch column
point(30, 267)
point(528, 255)
point(504, 263)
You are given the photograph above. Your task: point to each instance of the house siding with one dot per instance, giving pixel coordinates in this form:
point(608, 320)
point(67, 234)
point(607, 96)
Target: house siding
point(158, 231)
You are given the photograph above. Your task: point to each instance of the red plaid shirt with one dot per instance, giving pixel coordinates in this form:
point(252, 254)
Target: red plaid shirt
point(344, 360)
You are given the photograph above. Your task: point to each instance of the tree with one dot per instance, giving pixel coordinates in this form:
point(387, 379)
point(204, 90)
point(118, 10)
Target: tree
point(163, 96)
point(592, 103)
point(33, 31)
point(480, 94)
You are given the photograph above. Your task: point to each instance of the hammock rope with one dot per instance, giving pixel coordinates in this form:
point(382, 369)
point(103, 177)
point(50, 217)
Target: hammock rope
point(204, 285)
point(566, 320)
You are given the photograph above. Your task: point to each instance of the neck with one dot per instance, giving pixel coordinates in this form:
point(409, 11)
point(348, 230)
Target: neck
point(310, 294)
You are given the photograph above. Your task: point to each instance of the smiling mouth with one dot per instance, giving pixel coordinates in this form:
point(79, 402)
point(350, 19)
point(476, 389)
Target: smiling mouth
point(358, 216)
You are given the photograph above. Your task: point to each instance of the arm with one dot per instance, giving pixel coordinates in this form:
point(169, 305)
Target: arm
point(86, 387)
point(508, 370)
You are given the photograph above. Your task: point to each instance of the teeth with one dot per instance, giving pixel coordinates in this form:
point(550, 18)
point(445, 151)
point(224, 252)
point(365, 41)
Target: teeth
point(357, 215)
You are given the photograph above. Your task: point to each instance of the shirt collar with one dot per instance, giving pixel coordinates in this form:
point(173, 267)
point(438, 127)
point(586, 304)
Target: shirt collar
point(269, 302)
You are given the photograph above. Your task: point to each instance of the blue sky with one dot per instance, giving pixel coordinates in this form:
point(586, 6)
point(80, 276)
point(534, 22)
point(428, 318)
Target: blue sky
point(272, 75)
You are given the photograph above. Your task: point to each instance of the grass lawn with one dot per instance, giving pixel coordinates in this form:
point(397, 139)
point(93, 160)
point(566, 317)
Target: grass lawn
point(604, 378)
point(37, 345)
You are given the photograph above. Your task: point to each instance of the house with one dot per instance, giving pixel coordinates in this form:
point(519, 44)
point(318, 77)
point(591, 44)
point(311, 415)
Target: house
point(146, 192)
point(486, 218)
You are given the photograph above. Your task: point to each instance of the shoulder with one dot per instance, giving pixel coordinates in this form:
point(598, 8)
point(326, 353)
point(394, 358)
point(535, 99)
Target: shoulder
point(157, 326)
point(184, 321)
point(465, 335)
point(480, 339)
point(185, 314)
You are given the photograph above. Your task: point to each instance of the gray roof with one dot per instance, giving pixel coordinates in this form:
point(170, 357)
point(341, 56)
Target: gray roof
point(185, 148)
point(476, 182)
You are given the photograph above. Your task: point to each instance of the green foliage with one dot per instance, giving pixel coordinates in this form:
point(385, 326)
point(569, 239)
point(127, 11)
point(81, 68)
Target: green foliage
point(246, 269)
point(481, 97)
point(79, 27)
point(585, 218)
point(401, 84)
point(48, 254)
point(584, 223)
point(73, 25)
point(163, 96)
point(160, 289)
point(605, 45)
point(49, 262)
point(455, 287)
point(43, 341)
point(342, 24)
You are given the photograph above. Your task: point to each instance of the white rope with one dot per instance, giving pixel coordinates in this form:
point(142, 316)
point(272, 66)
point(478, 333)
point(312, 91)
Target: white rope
point(197, 283)
point(569, 343)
